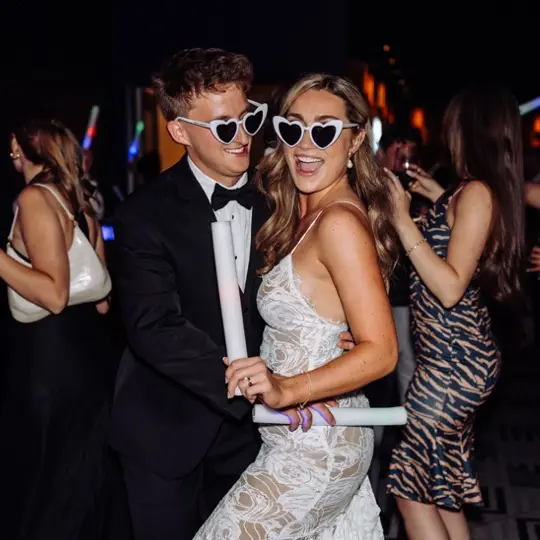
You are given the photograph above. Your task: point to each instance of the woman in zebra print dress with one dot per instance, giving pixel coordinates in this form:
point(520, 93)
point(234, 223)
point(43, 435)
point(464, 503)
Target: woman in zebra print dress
point(466, 249)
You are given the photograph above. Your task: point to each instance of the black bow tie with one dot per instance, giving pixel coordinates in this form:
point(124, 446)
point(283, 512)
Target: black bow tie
point(244, 196)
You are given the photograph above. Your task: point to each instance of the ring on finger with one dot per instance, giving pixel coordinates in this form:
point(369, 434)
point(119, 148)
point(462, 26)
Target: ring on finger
point(248, 380)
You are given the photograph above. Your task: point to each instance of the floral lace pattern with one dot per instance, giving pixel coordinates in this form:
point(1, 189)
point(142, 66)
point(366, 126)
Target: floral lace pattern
point(309, 486)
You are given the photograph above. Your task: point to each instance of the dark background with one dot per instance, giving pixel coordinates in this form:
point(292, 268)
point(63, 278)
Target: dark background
point(64, 57)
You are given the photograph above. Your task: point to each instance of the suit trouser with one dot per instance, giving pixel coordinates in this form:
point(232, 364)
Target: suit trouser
point(175, 508)
point(403, 374)
point(406, 362)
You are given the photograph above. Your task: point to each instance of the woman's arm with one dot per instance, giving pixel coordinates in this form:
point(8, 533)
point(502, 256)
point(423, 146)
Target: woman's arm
point(105, 304)
point(448, 279)
point(347, 250)
point(47, 282)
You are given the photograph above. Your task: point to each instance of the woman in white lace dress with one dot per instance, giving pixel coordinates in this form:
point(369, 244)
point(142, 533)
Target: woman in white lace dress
point(327, 258)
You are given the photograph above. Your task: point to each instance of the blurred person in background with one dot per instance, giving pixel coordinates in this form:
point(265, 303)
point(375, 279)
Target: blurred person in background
point(270, 141)
point(532, 198)
point(55, 466)
point(398, 151)
point(269, 135)
point(466, 251)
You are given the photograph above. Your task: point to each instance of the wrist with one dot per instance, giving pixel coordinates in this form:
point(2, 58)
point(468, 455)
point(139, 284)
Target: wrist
point(293, 390)
point(404, 223)
point(436, 194)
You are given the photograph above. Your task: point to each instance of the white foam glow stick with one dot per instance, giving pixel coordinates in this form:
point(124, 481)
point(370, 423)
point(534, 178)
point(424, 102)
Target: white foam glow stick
point(380, 416)
point(229, 294)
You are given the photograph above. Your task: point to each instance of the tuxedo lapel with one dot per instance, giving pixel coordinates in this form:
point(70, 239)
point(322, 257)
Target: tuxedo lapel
point(198, 215)
point(191, 191)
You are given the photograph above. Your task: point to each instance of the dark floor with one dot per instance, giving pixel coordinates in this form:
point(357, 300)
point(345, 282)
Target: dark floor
point(508, 458)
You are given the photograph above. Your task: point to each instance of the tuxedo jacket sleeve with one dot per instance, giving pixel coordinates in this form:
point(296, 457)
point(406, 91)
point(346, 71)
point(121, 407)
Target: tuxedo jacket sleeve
point(157, 331)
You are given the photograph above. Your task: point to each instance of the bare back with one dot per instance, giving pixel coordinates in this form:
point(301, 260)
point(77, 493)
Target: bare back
point(54, 212)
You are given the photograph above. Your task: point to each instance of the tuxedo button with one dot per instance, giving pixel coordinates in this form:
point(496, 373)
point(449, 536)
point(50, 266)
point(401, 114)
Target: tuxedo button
point(245, 311)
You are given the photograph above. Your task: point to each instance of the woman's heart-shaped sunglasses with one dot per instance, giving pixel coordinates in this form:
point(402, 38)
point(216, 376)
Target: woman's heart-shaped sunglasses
point(322, 134)
point(226, 130)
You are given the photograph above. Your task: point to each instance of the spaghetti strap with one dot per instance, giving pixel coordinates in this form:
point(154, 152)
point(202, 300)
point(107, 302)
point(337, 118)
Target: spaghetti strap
point(457, 191)
point(307, 230)
point(15, 215)
point(58, 198)
point(346, 202)
point(319, 215)
point(55, 195)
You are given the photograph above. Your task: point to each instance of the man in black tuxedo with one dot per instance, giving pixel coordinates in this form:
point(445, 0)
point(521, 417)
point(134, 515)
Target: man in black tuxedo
point(182, 442)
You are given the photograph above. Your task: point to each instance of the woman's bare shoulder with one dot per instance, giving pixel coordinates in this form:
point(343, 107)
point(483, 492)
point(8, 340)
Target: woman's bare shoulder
point(32, 196)
point(344, 212)
point(343, 223)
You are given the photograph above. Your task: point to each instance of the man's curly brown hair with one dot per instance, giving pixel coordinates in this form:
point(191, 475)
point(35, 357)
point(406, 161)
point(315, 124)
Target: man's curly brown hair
point(192, 72)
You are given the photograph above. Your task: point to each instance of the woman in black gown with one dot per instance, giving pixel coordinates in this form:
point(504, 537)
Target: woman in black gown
point(55, 471)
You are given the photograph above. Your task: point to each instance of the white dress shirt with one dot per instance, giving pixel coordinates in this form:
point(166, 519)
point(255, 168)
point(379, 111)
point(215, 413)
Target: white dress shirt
point(239, 216)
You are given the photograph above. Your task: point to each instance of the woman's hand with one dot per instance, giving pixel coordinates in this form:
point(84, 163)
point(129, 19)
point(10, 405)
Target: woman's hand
point(423, 183)
point(304, 417)
point(401, 199)
point(255, 380)
point(534, 260)
point(103, 306)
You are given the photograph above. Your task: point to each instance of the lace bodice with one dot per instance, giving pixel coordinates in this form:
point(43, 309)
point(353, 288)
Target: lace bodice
point(296, 337)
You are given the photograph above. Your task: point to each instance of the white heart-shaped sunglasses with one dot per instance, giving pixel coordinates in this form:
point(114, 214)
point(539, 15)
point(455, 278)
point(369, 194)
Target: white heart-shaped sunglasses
point(322, 134)
point(226, 130)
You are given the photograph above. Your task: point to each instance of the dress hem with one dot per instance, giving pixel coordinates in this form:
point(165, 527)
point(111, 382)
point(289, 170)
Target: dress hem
point(431, 502)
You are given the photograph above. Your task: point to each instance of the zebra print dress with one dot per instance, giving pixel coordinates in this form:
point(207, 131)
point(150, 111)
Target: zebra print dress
point(458, 364)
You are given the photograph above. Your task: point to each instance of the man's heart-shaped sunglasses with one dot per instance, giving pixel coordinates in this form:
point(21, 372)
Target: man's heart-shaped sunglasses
point(323, 134)
point(226, 130)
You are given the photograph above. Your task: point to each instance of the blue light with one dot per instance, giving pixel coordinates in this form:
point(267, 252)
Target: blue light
point(133, 150)
point(134, 146)
point(108, 232)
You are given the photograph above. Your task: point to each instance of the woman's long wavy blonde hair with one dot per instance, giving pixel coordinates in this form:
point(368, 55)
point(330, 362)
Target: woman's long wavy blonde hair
point(276, 238)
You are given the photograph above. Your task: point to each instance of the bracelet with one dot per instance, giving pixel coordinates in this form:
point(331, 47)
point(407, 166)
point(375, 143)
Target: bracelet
point(419, 243)
point(309, 391)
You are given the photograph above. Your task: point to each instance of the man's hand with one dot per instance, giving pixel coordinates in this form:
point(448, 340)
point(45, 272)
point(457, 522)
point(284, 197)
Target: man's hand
point(346, 342)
